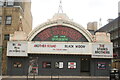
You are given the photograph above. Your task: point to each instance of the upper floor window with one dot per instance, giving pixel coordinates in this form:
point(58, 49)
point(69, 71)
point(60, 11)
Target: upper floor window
point(6, 37)
point(0, 20)
point(8, 20)
point(1, 2)
point(10, 2)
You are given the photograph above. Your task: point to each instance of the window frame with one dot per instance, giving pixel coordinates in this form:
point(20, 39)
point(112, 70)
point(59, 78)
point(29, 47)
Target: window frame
point(10, 2)
point(8, 21)
point(2, 3)
point(6, 36)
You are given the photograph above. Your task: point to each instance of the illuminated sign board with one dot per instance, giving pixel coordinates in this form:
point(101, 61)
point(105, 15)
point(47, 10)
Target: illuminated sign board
point(60, 33)
point(59, 48)
point(59, 38)
point(96, 50)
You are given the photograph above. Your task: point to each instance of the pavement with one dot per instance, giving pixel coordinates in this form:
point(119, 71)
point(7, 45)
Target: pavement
point(55, 78)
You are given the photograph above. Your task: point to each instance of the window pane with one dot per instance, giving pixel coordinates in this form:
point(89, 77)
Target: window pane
point(6, 37)
point(10, 2)
point(8, 20)
point(1, 2)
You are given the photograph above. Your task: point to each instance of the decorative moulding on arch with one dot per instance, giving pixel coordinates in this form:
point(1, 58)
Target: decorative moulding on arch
point(60, 21)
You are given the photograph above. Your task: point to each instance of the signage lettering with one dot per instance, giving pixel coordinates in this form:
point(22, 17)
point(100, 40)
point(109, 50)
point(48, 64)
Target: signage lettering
point(59, 38)
point(97, 50)
point(69, 46)
point(49, 33)
point(80, 46)
point(44, 45)
point(16, 51)
point(74, 46)
point(17, 48)
point(102, 50)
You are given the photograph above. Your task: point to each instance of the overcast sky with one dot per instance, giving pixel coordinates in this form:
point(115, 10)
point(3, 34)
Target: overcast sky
point(81, 11)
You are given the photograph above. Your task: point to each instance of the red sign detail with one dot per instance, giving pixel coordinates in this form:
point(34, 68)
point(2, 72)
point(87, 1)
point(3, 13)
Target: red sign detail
point(59, 30)
point(44, 45)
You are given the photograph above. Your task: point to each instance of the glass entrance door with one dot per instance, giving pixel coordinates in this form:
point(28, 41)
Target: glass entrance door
point(85, 66)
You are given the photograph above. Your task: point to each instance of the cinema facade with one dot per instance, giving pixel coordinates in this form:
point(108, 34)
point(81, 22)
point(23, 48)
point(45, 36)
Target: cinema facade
point(58, 47)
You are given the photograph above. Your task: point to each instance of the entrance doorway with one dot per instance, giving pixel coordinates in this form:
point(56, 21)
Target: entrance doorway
point(85, 67)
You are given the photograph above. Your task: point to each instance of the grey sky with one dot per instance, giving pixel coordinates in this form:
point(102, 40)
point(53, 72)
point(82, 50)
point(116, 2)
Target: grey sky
point(81, 11)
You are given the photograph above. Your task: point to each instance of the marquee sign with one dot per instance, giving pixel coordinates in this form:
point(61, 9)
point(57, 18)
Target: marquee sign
point(96, 50)
point(59, 48)
point(15, 48)
point(60, 33)
point(102, 50)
